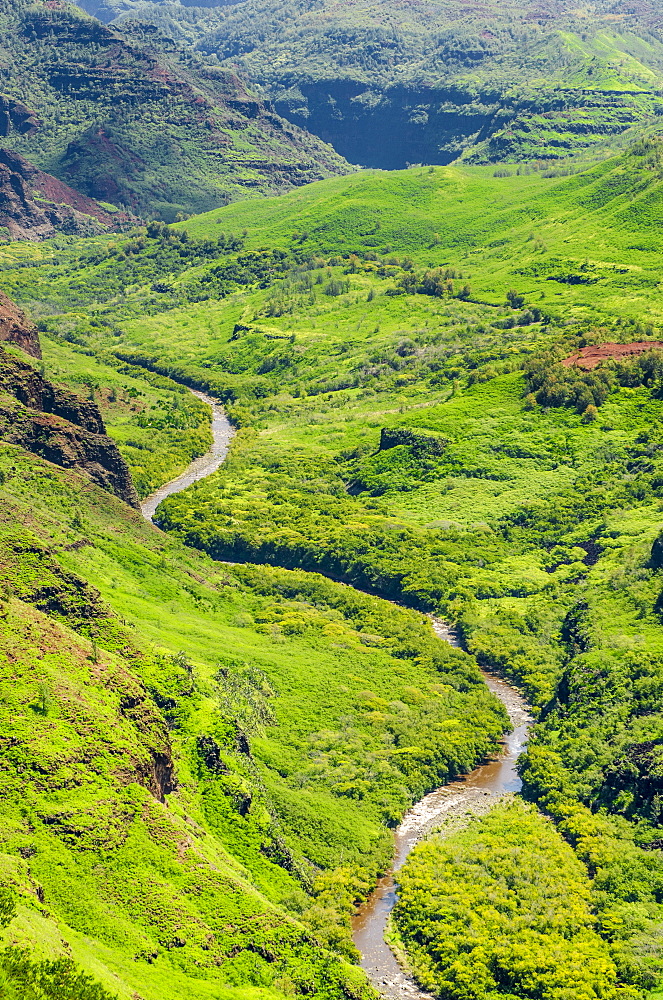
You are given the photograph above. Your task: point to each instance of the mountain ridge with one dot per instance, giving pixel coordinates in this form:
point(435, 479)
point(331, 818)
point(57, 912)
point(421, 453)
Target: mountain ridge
point(133, 120)
point(389, 84)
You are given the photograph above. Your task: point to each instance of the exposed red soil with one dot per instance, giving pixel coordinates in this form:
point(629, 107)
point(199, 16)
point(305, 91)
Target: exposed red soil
point(34, 205)
point(590, 357)
point(16, 328)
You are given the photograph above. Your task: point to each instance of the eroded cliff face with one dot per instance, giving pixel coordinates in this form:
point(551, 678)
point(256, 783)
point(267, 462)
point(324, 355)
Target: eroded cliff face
point(35, 206)
point(16, 328)
point(59, 426)
point(17, 116)
point(129, 118)
point(390, 128)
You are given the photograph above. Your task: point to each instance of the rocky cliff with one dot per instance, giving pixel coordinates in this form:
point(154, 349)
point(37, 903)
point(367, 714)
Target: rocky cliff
point(59, 426)
point(35, 205)
point(390, 84)
point(16, 328)
point(17, 116)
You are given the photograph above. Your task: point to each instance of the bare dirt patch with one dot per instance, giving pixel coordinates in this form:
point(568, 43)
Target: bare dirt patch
point(590, 357)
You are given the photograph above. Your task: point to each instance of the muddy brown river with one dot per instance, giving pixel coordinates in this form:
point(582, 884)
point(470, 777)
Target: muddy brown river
point(476, 793)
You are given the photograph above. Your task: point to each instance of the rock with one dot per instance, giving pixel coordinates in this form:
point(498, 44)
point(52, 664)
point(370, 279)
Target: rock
point(35, 206)
point(16, 328)
point(162, 780)
point(657, 552)
point(20, 216)
point(17, 116)
point(210, 752)
point(59, 426)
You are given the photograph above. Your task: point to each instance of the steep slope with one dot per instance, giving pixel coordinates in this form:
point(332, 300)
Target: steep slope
point(197, 770)
point(49, 420)
point(389, 84)
point(16, 328)
point(35, 206)
point(59, 426)
point(133, 121)
point(394, 349)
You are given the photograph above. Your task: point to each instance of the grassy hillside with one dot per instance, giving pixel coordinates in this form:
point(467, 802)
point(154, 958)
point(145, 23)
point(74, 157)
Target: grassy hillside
point(130, 119)
point(178, 812)
point(388, 85)
point(583, 247)
point(389, 346)
point(158, 424)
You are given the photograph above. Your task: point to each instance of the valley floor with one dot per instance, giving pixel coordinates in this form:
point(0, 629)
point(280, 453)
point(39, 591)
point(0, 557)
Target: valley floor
point(216, 726)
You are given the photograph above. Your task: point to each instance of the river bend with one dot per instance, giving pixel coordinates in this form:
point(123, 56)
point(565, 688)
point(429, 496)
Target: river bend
point(222, 434)
point(475, 794)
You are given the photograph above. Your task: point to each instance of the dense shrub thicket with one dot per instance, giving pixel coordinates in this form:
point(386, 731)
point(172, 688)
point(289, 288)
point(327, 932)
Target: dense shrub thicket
point(555, 385)
point(503, 909)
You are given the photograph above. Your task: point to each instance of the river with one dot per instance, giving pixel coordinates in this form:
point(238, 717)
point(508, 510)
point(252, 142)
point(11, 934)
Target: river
point(222, 434)
point(475, 793)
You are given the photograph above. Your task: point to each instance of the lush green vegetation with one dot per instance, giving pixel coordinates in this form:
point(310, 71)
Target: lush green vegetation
point(388, 85)
point(134, 121)
point(503, 909)
point(23, 979)
point(158, 424)
point(420, 441)
point(287, 720)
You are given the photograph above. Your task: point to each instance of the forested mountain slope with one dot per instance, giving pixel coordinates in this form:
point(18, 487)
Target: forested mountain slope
point(133, 121)
point(426, 82)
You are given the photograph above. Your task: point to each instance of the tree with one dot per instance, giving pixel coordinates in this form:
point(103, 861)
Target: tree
point(515, 299)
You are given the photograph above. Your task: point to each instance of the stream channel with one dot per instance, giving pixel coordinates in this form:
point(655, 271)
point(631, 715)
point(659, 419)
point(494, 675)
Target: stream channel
point(473, 794)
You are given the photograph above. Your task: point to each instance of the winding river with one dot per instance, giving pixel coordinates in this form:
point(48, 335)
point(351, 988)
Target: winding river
point(474, 794)
point(222, 434)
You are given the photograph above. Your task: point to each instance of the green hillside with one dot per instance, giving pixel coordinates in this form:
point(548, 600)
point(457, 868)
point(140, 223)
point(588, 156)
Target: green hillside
point(389, 346)
point(389, 84)
point(164, 823)
point(132, 120)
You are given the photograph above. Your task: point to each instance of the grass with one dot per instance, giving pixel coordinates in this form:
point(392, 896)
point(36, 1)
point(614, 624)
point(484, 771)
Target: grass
point(159, 427)
point(528, 524)
point(323, 776)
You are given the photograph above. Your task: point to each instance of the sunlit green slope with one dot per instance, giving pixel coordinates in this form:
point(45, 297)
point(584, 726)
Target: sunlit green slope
point(201, 763)
point(389, 346)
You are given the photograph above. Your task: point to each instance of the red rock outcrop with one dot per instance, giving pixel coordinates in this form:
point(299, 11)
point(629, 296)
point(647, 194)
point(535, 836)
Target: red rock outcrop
point(35, 206)
point(59, 426)
point(16, 328)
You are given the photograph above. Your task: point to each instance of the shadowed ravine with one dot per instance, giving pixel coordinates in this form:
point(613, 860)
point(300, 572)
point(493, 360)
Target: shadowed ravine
point(476, 793)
